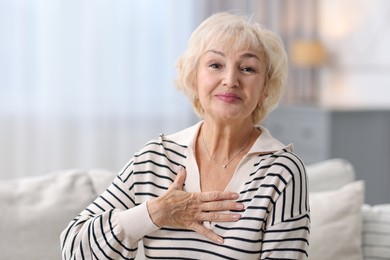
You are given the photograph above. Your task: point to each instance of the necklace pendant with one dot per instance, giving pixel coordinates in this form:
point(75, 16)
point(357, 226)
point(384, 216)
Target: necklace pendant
point(224, 166)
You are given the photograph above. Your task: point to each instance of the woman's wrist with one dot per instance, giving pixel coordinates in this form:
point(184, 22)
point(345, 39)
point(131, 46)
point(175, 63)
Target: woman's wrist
point(155, 211)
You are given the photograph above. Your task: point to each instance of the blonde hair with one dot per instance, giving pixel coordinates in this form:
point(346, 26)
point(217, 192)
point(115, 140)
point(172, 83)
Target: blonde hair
point(238, 32)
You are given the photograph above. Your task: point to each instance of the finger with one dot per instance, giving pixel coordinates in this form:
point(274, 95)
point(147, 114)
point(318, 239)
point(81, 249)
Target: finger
point(180, 179)
point(218, 195)
point(221, 206)
point(199, 228)
point(218, 217)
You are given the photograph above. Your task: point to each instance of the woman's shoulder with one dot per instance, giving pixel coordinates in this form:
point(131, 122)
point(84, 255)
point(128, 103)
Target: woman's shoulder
point(281, 166)
point(276, 151)
point(287, 156)
point(285, 162)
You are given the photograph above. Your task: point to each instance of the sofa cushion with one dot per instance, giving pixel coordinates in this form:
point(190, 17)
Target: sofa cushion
point(376, 232)
point(336, 223)
point(35, 210)
point(330, 175)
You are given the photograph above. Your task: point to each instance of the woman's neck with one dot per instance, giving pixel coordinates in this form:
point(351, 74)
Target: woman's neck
point(222, 142)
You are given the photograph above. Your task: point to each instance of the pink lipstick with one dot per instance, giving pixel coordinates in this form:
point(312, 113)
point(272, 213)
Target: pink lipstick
point(228, 97)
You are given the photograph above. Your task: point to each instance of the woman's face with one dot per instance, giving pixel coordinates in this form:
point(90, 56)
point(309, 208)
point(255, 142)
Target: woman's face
point(230, 83)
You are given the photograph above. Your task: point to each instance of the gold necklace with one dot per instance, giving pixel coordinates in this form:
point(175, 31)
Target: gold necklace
point(231, 159)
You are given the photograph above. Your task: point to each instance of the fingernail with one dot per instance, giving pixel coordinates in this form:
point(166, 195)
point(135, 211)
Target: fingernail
point(220, 240)
point(236, 216)
point(235, 196)
point(182, 169)
point(239, 206)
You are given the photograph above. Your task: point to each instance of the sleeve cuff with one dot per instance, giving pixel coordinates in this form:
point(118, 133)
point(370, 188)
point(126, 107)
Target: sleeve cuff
point(136, 222)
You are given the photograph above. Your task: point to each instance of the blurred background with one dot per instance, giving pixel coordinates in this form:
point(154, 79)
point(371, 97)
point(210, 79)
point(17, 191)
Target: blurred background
point(84, 84)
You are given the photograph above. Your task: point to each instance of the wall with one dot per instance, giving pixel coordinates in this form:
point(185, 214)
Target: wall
point(355, 33)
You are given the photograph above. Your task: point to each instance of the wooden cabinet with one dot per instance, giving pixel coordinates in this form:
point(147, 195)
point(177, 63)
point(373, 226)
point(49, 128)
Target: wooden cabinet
point(361, 136)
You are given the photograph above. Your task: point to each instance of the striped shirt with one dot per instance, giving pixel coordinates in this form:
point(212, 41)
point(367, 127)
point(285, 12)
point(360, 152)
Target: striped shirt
point(271, 182)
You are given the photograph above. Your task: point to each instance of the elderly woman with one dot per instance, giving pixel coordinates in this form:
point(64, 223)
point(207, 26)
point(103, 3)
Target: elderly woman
point(221, 189)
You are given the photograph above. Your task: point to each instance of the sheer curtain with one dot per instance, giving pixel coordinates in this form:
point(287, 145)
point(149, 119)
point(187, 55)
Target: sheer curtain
point(84, 84)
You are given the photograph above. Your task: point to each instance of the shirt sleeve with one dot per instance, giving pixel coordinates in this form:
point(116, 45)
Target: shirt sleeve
point(111, 226)
point(286, 234)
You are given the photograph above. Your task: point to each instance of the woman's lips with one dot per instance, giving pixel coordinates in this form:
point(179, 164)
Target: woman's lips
point(228, 97)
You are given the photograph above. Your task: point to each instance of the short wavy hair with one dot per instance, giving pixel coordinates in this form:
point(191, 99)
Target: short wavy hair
point(237, 32)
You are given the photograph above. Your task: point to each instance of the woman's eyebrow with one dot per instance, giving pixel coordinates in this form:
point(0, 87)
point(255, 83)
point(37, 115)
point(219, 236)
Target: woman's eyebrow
point(217, 52)
point(244, 55)
point(249, 55)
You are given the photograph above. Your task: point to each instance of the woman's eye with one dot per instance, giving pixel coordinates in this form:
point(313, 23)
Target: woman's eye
point(248, 69)
point(215, 66)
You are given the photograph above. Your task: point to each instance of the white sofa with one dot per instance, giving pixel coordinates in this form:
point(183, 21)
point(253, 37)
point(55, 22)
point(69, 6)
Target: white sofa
point(342, 227)
point(35, 210)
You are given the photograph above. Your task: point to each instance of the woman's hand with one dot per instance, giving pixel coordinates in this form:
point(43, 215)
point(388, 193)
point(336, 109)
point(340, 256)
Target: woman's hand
point(179, 209)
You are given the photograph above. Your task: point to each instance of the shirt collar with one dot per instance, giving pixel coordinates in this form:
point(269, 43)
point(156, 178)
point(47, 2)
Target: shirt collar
point(265, 143)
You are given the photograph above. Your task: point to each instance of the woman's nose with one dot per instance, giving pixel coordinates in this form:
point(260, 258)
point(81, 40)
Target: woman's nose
point(230, 79)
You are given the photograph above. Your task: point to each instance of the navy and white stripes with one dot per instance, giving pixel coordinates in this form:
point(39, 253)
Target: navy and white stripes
point(272, 185)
